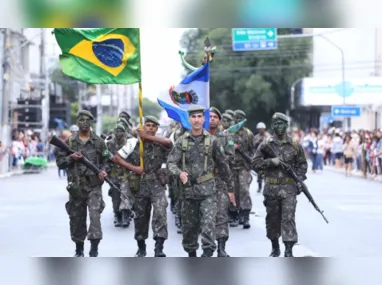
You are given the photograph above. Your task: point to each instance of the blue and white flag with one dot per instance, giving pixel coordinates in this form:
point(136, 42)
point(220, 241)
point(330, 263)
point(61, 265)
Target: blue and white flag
point(193, 90)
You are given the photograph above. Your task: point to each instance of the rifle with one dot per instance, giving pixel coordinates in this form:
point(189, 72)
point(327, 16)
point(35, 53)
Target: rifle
point(301, 186)
point(62, 145)
point(246, 157)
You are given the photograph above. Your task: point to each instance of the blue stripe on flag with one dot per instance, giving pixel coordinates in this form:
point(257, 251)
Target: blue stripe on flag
point(201, 74)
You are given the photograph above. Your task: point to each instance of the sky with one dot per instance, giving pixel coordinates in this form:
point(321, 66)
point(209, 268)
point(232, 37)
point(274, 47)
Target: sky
point(160, 61)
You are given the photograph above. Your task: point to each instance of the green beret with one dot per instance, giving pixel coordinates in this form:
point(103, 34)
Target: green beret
point(120, 126)
point(152, 119)
point(240, 113)
point(124, 113)
point(195, 110)
point(216, 111)
point(280, 116)
point(227, 116)
point(230, 112)
point(84, 113)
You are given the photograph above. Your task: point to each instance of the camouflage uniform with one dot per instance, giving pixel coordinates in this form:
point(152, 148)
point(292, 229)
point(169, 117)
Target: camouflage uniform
point(280, 192)
point(242, 173)
point(199, 205)
point(151, 195)
point(85, 188)
point(258, 140)
point(119, 176)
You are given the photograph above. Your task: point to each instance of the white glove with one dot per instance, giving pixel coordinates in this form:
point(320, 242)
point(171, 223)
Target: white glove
point(128, 148)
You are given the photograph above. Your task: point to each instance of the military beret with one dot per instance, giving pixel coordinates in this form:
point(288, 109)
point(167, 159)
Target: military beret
point(124, 113)
point(227, 116)
point(84, 113)
point(240, 113)
point(152, 119)
point(230, 112)
point(280, 116)
point(195, 110)
point(120, 126)
point(215, 110)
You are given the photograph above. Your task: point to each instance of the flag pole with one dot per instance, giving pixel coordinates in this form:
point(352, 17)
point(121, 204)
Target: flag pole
point(141, 150)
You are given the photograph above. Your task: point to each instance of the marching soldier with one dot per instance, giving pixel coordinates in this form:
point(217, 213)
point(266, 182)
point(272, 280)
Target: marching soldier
point(84, 187)
point(223, 196)
point(280, 191)
point(193, 159)
point(227, 121)
point(119, 177)
point(241, 169)
point(259, 137)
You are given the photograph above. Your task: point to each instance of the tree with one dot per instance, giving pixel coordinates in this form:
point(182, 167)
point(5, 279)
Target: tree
point(70, 86)
point(257, 82)
point(150, 108)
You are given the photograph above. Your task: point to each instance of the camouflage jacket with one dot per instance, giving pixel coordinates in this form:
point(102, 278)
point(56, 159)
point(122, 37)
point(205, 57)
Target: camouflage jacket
point(92, 149)
point(291, 153)
point(245, 139)
point(258, 139)
point(201, 181)
point(116, 172)
point(229, 150)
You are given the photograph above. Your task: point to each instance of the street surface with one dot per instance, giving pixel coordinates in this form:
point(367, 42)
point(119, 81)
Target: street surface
point(34, 222)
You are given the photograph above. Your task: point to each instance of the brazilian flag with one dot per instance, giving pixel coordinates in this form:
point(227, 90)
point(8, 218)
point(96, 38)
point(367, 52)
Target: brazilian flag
point(100, 56)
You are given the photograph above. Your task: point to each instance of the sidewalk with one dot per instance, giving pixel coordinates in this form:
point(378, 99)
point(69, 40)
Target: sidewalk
point(356, 173)
point(19, 172)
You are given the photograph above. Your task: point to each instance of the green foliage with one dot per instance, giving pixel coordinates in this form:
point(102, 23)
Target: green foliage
point(108, 123)
point(74, 108)
point(257, 82)
point(151, 108)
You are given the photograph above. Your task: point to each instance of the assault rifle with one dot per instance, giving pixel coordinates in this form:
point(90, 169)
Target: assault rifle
point(301, 186)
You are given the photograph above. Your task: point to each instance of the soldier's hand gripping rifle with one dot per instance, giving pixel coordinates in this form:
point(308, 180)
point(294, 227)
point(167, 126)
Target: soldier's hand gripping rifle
point(301, 186)
point(62, 145)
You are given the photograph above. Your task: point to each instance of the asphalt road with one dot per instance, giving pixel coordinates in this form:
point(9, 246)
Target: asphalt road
point(34, 223)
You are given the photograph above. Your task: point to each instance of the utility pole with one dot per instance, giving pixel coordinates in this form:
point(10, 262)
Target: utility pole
point(5, 126)
point(46, 101)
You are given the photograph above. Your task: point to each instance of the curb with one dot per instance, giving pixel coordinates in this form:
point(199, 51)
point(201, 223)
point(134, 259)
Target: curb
point(20, 172)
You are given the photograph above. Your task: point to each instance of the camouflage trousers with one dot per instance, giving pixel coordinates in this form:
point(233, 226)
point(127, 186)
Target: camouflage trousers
point(151, 195)
point(119, 201)
point(243, 179)
point(222, 219)
point(77, 209)
point(199, 216)
point(280, 202)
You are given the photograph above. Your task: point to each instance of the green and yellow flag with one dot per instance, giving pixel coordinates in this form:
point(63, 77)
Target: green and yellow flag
point(100, 56)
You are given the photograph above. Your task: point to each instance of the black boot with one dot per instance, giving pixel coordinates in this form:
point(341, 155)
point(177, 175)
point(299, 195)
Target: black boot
point(125, 218)
point(246, 224)
point(207, 253)
point(159, 247)
point(260, 187)
point(241, 217)
point(221, 248)
point(192, 254)
point(141, 249)
point(79, 249)
point(275, 249)
point(94, 247)
point(117, 220)
point(288, 248)
point(234, 223)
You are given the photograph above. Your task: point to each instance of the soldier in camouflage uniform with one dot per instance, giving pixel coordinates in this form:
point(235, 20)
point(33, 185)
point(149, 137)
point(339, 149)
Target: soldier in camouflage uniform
point(280, 191)
point(232, 114)
point(152, 191)
point(85, 187)
point(259, 137)
point(223, 196)
point(124, 115)
point(193, 159)
point(119, 177)
point(227, 121)
point(241, 169)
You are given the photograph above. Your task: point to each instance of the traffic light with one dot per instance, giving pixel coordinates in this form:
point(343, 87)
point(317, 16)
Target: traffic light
point(59, 115)
point(29, 113)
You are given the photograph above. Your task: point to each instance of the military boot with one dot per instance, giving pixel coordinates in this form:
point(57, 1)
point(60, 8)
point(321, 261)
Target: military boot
point(260, 187)
point(117, 220)
point(221, 248)
point(288, 248)
point(125, 219)
point(159, 247)
point(246, 224)
point(141, 252)
point(241, 217)
point(94, 247)
point(275, 249)
point(207, 253)
point(234, 223)
point(192, 254)
point(79, 249)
